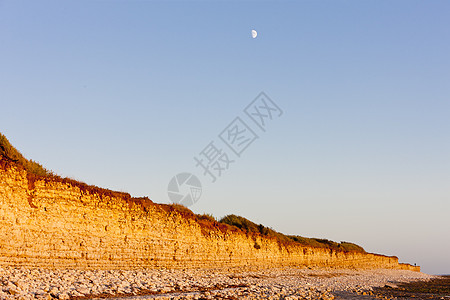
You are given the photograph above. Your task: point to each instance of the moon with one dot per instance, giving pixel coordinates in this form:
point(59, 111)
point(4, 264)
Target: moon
point(254, 34)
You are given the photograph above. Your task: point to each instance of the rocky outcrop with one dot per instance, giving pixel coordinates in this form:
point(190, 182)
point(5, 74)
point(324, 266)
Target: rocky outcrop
point(58, 224)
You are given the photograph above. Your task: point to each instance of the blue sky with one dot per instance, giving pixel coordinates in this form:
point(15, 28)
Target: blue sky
point(124, 94)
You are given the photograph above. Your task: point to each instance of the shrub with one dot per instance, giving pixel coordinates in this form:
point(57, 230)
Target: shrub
point(36, 172)
point(207, 222)
point(178, 208)
point(206, 217)
point(351, 247)
point(11, 153)
point(248, 226)
point(240, 222)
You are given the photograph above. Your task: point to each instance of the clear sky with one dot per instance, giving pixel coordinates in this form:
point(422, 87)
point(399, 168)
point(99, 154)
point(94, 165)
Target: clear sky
point(124, 95)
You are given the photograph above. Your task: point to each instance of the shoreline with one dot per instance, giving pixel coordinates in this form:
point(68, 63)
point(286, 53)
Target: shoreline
point(276, 283)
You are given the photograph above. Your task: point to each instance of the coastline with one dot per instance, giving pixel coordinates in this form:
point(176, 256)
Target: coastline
point(52, 222)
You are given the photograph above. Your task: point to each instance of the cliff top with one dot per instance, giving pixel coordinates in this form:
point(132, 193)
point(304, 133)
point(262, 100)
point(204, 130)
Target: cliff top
point(10, 156)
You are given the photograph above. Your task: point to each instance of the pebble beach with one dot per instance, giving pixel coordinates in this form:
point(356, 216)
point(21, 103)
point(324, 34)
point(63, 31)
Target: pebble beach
point(281, 283)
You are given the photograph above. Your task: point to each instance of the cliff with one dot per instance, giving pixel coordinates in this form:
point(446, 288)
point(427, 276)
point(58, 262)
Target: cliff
point(51, 222)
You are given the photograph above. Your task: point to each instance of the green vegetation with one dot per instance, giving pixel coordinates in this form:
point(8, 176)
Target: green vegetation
point(323, 243)
point(206, 221)
point(37, 172)
point(207, 217)
point(250, 227)
point(351, 247)
point(11, 153)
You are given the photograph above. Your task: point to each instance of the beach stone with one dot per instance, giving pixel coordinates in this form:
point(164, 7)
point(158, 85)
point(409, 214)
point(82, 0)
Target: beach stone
point(53, 290)
point(13, 291)
point(390, 285)
point(44, 296)
point(84, 290)
point(63, 296)
point(25, 297)
point(288, 283)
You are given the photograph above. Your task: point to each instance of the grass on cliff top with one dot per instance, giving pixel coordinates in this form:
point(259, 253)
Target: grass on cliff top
point(207, 222)
point(8, 151)
point(237, 223)
point(35, 171)
point(248, 226)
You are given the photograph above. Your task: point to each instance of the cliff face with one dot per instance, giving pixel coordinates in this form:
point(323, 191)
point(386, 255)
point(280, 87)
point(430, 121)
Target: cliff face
point(53, 224)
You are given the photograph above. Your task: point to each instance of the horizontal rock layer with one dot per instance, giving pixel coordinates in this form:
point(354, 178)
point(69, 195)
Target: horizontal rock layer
point(54, 224)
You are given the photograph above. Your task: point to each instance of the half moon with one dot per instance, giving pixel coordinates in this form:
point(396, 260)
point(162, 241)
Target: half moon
point(254, 34)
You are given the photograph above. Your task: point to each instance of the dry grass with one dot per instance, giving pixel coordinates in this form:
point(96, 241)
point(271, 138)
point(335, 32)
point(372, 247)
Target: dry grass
point(250, 227)
point(35, 172)
point(12, 154)
point(9, 156)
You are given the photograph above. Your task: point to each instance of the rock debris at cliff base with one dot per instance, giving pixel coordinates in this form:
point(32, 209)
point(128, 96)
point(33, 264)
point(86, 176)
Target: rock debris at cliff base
point(287, 283)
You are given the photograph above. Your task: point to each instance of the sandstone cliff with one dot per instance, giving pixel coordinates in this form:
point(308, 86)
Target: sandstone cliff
point(55, 223)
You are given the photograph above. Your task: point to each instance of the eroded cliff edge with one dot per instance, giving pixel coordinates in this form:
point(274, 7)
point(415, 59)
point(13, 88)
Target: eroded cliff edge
point(55, 223)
